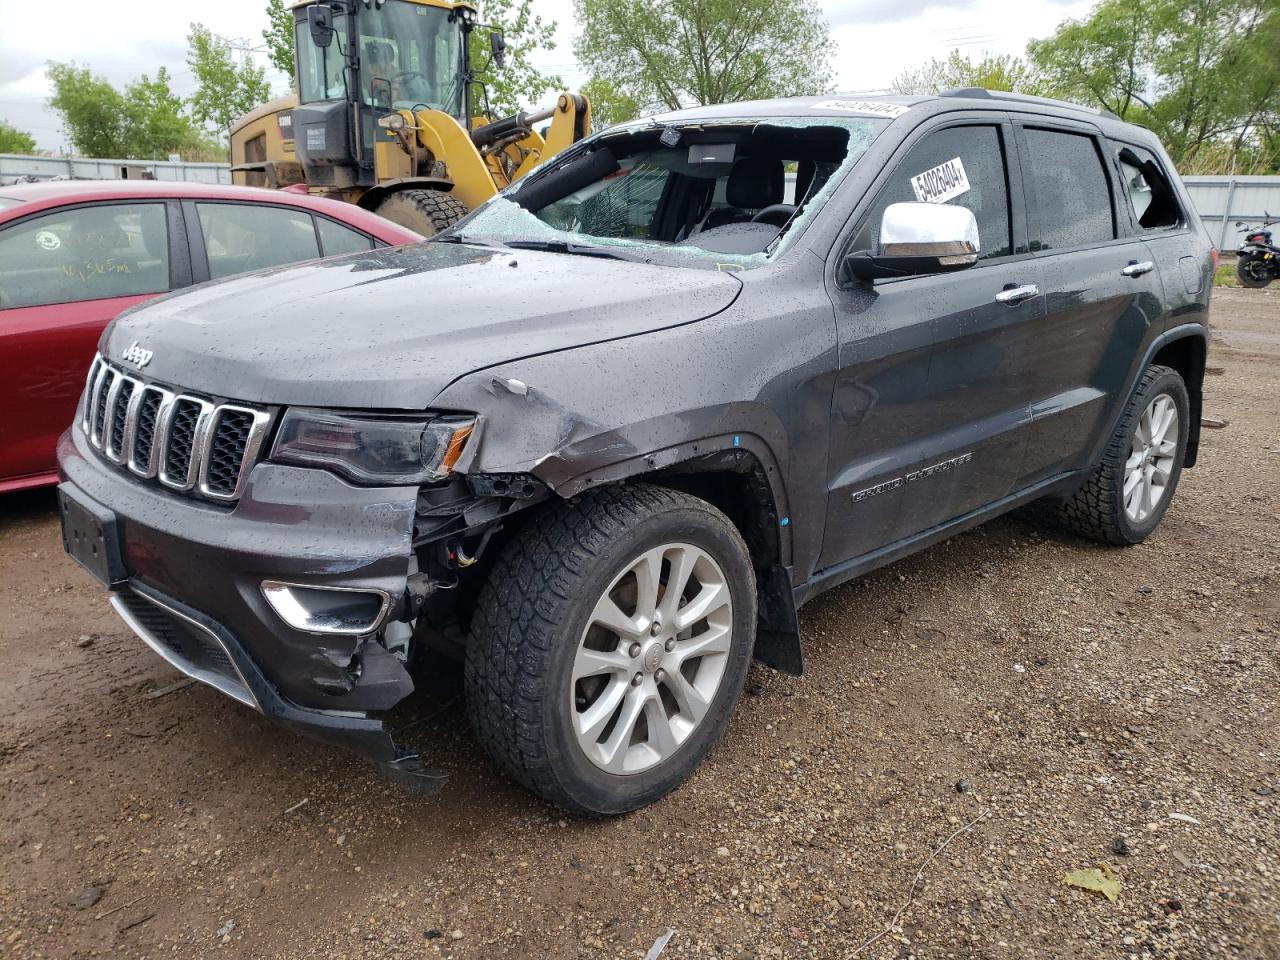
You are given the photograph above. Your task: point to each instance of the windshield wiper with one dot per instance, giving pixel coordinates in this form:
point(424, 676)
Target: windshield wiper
point(463, 239)
point(565, 246)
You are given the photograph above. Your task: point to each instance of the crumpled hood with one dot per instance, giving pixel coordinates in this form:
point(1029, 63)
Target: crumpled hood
point(392, 328)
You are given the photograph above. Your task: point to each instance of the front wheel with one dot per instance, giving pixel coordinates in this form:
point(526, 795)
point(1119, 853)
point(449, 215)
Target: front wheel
point(1254, 272)
point(609, 647)
point(426, 211)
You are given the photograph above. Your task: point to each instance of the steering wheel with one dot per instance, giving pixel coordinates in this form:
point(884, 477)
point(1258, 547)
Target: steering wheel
point(776, 214)
point(404, 75)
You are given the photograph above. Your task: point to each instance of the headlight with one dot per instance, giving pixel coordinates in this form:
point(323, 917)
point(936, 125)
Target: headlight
point(373, 449)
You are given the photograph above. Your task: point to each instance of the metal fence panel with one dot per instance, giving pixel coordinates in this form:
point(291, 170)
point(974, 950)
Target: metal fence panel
point(14, 165)
point(1224, 200)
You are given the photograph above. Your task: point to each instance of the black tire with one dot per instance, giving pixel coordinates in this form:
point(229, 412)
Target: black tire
point(1253, 271)
point(531, 615)
point(1097, 509)
point(426, 211)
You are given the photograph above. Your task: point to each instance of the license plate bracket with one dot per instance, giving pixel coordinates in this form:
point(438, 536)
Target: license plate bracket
point(91, 535)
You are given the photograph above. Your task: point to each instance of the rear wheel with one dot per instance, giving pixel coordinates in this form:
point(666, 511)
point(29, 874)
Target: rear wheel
point(426, 211)
point(1253, 271)
point(1130, 489)
point(609, 647)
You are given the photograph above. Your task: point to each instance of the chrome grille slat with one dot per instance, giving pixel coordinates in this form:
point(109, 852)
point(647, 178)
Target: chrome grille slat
point(188, 443)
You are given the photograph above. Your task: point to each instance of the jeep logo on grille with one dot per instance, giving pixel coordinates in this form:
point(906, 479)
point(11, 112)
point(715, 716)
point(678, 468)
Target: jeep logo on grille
point(137, 355)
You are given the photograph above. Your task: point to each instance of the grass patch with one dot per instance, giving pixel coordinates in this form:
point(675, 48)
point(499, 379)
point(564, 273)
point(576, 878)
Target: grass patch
point(1225, 275)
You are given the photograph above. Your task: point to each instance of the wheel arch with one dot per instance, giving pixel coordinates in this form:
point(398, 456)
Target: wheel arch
point(376, 194)
point(738, 474)
point(1185, 349)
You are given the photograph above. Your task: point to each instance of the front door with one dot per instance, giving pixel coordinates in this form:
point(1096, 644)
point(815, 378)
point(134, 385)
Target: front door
point(930, 413)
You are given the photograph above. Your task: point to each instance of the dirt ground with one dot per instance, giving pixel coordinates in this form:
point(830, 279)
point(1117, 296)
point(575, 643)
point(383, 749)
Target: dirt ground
point(1084, 705)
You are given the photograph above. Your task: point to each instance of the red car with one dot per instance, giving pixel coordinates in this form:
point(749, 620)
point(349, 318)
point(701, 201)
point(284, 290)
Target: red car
point(75, 253)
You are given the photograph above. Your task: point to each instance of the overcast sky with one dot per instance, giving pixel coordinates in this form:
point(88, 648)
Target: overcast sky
point(874, 40)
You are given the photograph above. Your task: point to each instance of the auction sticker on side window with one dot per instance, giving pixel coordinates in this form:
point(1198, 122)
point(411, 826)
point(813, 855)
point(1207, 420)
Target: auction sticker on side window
point(940, 184)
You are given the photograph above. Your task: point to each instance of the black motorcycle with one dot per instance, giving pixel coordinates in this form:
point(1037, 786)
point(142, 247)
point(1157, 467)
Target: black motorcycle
point(1258, 259)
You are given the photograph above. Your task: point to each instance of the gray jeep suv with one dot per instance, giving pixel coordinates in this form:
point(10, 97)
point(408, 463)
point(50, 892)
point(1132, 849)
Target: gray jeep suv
point(604, 436)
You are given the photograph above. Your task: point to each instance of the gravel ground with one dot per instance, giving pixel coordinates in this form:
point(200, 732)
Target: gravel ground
point(1029, 702)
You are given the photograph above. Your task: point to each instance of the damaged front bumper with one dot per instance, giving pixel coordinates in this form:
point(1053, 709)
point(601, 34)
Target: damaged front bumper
point(180, 557)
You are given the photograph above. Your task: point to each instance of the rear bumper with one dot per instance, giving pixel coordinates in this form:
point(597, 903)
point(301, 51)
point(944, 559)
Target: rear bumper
point(193, 591)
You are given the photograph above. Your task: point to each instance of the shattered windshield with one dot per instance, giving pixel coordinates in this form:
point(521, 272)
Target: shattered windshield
point(702, 195)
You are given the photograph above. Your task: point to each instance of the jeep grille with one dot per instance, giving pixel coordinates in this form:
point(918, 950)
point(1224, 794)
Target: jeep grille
point(186, 442)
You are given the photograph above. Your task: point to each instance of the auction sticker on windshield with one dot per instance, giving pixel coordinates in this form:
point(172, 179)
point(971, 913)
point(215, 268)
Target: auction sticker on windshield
point(942, 183)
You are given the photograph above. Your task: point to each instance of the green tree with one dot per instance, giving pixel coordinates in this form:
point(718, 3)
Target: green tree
point(13, 140)
point(155, 120)
point(518, 84)
point(609, 105)
point(279, 36)
point(674, 53)
point(226, 89)
point(1199, 73)
point(92, 110)
point(1000, 72)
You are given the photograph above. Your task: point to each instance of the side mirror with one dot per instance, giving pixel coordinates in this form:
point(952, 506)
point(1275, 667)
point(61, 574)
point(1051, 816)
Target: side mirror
point(320, 20)
point(919, 238)
point(498, 47)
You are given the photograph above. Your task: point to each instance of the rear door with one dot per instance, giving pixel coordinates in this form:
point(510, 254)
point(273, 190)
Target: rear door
point(930, 414)
point(64, 274)
point(1102, 288)
point(1155, 215)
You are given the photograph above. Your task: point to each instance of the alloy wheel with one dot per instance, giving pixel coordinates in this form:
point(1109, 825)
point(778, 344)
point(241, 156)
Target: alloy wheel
point(651, 658)
point(1152, 453)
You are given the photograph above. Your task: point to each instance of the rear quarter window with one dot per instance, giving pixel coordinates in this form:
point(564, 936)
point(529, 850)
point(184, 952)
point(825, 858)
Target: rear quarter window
point(1150, 194)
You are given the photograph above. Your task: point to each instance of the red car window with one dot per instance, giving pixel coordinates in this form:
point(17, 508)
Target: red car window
point(239, 237)
point(336, 239)
point(85, 253)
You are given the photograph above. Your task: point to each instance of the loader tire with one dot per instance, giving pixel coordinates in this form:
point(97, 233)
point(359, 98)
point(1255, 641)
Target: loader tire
point(426, 211)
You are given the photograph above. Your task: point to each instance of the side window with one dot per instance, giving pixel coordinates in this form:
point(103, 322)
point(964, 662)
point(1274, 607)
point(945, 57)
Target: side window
point(1155, 205)
point(85, 253)
point(1070, 188)
point(930, 172)
point(239, 237)
point(335, 238)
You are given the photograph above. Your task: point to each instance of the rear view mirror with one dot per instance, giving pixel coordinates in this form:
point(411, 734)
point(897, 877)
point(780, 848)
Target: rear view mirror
point(919, 238)
point(498, 47)
point(320, 20)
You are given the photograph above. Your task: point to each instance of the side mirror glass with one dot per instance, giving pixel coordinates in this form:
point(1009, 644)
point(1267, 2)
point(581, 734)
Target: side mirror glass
point(498, 47)
point(320, 20)
point(919, 238)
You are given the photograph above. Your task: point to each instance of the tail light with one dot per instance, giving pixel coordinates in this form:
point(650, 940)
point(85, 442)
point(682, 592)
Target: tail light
point(1214, 255)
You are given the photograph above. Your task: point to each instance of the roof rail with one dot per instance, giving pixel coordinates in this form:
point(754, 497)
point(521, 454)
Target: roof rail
point(979, 93)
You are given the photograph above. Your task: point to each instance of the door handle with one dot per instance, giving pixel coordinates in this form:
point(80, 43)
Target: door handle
point(1018, 294)
point(1136, 269)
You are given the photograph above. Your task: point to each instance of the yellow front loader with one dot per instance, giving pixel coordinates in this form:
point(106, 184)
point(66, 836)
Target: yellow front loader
point(384, 115)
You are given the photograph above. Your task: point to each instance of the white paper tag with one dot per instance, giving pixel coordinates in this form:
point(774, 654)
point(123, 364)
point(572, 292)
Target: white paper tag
point(863, 106)
point(942, 183)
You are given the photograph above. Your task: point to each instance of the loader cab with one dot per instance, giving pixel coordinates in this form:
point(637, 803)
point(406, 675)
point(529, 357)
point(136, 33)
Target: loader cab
point(357, 60)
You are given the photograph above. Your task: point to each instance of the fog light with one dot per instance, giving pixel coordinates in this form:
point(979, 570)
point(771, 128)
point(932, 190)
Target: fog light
point(350, 610)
